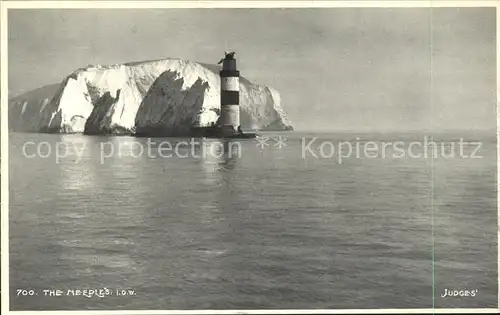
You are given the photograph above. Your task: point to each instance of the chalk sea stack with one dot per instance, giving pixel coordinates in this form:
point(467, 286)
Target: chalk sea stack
point(167, 97)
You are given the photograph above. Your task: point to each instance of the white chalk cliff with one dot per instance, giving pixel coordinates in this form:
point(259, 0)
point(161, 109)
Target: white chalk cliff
point(167, 97)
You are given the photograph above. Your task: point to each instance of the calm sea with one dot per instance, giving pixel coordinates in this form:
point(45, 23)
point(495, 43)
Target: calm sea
point(260, 227)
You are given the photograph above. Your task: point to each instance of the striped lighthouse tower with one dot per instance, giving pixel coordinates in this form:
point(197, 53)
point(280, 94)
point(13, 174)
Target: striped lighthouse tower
point(229, 95)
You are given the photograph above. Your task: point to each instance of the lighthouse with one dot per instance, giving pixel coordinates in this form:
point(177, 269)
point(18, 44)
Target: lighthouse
point(228, 124)
point(229, 120)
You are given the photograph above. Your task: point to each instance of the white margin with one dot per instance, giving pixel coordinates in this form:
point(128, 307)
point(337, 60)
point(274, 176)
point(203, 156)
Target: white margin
point(4, 170)
point(4, 167)
point(249, 4)
point(290, 311)
point(498, 155)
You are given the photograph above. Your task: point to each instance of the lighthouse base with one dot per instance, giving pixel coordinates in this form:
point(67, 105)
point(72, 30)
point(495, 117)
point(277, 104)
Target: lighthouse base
point(221, 132)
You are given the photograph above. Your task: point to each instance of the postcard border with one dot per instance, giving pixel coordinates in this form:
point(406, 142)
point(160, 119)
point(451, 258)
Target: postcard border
point(4, 168)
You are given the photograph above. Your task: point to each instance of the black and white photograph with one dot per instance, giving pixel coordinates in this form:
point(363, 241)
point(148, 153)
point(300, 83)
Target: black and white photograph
point(249, 156)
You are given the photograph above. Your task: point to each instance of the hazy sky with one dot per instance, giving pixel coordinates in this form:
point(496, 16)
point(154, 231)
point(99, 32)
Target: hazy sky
point(365, 69)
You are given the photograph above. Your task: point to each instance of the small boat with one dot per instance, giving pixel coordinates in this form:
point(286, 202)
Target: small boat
point(243, 135)
point(217, 132)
